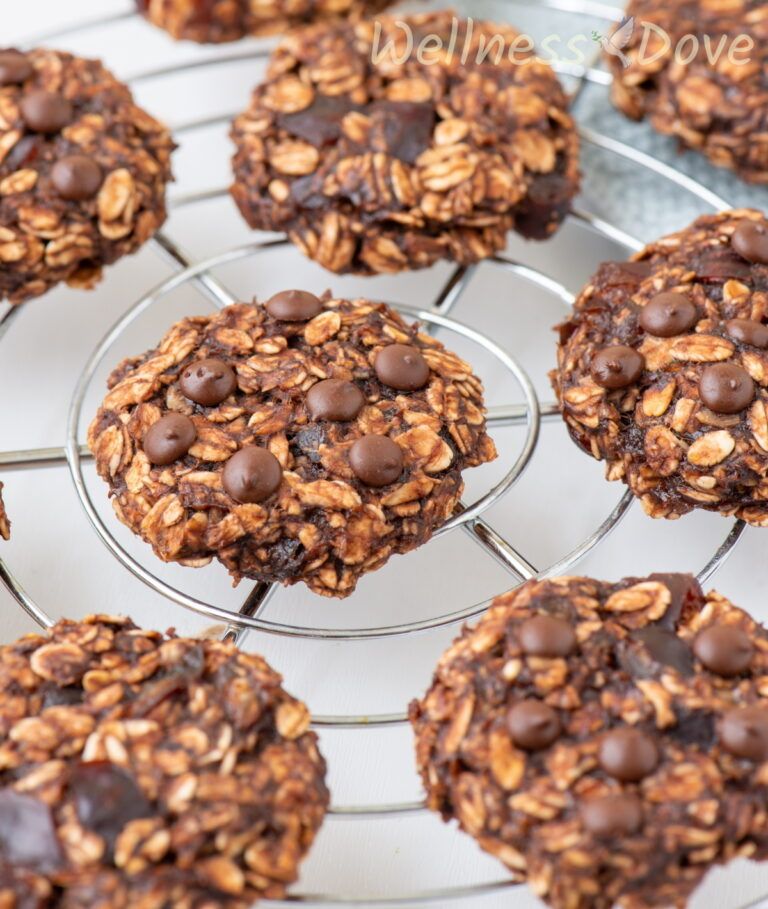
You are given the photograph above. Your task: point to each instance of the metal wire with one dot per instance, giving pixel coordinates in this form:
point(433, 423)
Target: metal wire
point(529, 414)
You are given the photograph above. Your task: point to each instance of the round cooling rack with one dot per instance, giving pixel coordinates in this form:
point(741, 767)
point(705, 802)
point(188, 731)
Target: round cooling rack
point(528, 413)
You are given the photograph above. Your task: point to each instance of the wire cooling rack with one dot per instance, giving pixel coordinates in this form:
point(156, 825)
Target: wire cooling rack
point(527, 412)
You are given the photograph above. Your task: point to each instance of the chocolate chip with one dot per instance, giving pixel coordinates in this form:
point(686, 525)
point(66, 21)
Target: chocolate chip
point(320, 123)
point(27, 833)
point(748, 332)
point(620, 814)
point(628, 754)
point(402, 129)
point(252, 475)
point(744, 733)
point(726, 388)
point(208, 382)
point(402, 367)
point(336, 400)
point(169, 439)
point(617, 367)
point(107, 798)
point(15, 68)
point(376, 460)
point(46, 112)
point(620, 274)
point(533, 725)
point(724, 649)
point(546, 636)
point(666, 649)
point(750, 241)
point(294, 306)
point(667, 315)
point(76, 177)
point(687, 597)
point(718, 263)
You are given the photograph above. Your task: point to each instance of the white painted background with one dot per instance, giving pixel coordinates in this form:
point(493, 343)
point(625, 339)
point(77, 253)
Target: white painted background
point(559, 501)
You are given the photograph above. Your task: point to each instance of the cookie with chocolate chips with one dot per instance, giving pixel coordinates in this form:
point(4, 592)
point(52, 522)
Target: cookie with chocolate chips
point(217, 21)
point(5, 524)
point(305, 439)
point(696, 70)
point(607, 742)
point(663, 369)
point(373, 167)
point(143, 769)
point(83, 172)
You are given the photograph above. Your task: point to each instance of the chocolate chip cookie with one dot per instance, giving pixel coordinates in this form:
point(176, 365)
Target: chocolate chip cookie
point(663, 369)
point(83, 172)
point(5, 524)
point(607, 742)
point(376, 159)
point(696, 70)
point(143, 769)
point(305, 440)
point(216, 21)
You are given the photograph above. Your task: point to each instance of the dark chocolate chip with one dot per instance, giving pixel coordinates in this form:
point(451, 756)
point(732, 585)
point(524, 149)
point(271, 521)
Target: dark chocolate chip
point(294, 306)
point(169, 439)
point(107, 798)
point(744, 732)
point(546, 636)
point(320, 123)
point(15, 68)
point(667, 315)
point(628, 754)
point(750, 241)
point(720, 263)
point(46, 112)
point(620, 274)
point(252, 475)
point(724, 649)
point(208, 382)
point(617, 367)
point(748, 331)
point(686, 594)
point(402, 367)
point(27, 832)
point(402, 129)
point(533, 725)
point(76, 177)
point(335, 400)
point(616, 815)
point(666, 649)
point(376, 460)
point(726, 388)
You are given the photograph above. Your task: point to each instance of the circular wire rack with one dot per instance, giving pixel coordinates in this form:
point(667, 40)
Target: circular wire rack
point(528, 413)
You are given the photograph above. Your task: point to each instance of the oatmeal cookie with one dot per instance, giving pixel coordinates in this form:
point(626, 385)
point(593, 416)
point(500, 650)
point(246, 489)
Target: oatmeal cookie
point(83, 172)
point(5, 524)
point(663, 369)
point(371, 165)
point(716, 106)
point(303, 440)
point(216, 21)
point(607, 742)
point(147, 770)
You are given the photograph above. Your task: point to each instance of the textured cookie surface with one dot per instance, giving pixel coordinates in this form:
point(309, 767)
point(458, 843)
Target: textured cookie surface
point(608, 742)
point(373, 161)
point(329, 443)
point(714, 100)
point(83, 172)
point(215, 21)
point(145, 770)
point(5, 524)
point(663, 369)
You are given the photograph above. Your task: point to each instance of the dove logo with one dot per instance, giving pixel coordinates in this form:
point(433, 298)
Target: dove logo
point(619, 40)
